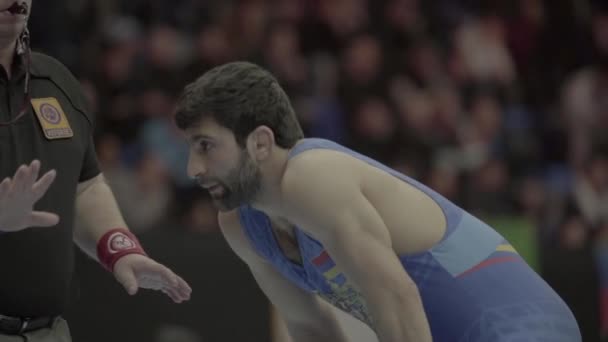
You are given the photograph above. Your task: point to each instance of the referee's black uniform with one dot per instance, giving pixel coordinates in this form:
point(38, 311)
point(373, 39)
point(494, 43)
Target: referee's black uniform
point(56, 128)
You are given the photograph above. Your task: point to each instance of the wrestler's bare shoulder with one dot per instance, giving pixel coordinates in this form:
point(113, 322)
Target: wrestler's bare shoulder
point(315, 162)
point(414, 219)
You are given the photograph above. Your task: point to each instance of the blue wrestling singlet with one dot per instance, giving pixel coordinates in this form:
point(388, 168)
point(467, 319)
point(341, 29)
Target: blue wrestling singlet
point(474, 286)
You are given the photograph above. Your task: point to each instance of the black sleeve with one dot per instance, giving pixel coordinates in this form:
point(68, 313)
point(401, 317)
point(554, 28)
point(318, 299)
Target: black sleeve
point(90, 166)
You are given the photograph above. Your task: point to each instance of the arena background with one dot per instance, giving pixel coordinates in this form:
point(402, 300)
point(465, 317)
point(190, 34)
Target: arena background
point(501, 106)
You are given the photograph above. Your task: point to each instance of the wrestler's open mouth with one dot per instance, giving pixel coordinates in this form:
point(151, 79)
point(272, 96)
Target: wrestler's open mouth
point(216, 190)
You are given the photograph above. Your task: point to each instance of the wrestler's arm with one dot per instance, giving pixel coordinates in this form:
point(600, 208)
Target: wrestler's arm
point(329, 204)
point(308, 319)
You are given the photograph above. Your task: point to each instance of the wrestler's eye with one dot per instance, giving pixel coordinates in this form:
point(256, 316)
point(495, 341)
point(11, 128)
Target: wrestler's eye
point(205, 146)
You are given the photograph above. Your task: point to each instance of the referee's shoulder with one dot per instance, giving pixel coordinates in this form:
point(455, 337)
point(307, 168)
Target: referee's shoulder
point(47, 67)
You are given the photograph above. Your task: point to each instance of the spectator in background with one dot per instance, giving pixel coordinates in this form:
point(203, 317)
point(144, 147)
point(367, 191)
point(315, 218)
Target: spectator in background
point(482, 47)
point(361, 72)
point(375, 128)
point(585, 97)
point(590, 193)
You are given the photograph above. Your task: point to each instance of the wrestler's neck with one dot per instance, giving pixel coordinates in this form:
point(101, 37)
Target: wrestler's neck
point(268, 199)
point(7, 55)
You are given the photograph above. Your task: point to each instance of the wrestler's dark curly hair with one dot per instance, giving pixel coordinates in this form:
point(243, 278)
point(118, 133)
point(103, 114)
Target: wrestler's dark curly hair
point(240, 96)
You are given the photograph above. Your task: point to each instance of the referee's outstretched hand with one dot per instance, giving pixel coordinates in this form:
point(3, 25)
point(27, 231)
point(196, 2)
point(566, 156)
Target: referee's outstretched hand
point(18, 196)
point(136, 271)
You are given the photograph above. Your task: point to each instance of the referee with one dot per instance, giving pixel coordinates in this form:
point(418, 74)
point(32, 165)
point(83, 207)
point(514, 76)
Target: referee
point(49, 177)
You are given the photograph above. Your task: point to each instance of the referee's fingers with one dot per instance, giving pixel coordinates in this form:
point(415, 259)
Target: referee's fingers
point(33, 175)
point(42, 219)
point(42, 185)
point(4, 187)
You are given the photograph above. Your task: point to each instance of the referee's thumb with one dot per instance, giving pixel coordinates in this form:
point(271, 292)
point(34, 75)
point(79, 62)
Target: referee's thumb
point(127, 278)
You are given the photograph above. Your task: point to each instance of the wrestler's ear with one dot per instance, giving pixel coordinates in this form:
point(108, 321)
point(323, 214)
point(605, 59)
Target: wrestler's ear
point(260, 143)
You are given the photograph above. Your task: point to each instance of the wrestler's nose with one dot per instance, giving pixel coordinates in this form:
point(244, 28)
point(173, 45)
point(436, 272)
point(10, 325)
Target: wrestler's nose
point(196, 165)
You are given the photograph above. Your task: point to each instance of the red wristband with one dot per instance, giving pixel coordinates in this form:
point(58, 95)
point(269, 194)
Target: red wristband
point(115, 244)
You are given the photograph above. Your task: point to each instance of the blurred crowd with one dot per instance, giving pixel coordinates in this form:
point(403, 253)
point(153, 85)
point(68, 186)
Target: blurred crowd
point(501, 106)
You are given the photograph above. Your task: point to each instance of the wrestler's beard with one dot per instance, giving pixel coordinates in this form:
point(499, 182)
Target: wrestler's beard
point(240, 186)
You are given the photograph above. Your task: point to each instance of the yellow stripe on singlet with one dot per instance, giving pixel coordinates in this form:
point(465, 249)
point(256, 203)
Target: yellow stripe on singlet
point(505, 248)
